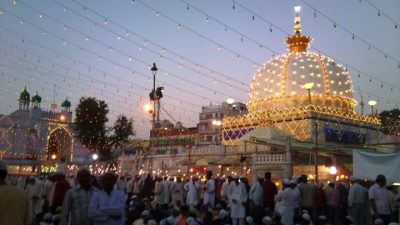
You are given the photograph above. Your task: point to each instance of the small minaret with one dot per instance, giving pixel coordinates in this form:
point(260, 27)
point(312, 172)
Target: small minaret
point(36, 100)
point(24, 99)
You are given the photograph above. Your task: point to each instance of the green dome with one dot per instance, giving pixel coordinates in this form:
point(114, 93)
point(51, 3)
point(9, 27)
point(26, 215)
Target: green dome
point(24, 96)
point(66, 104)
point(36, 99)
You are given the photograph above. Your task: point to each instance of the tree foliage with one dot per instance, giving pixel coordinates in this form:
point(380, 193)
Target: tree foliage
point(390, 121)
point(91, 119)
point(123, 128)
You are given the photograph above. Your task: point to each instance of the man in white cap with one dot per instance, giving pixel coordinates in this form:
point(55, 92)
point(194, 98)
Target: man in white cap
point(34, 191)
point(284, 205)
point(192, 189)
point(14, 202)
point(209, 191)
point(266, 220)
point(358, 197)
point(238, 201)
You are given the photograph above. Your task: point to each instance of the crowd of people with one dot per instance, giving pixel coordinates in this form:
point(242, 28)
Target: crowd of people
point(147, 200)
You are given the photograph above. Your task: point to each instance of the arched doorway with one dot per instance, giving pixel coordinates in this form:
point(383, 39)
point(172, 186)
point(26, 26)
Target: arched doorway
point(59, 145)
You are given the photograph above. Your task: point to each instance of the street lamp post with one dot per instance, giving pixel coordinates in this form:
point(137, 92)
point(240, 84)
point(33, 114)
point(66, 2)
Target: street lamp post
point(153, 93)
point(217, 124)
point(309, 86)
point(372, 103)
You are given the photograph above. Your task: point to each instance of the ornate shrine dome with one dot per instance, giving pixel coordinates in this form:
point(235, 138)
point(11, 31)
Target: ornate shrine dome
point(287, 80)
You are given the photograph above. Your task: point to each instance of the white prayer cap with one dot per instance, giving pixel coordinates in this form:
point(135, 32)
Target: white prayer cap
point(322, 217)
point(222, 214)
point(151, 222)
point(3, 165)
point(249, 220)
point(286, 181)
point(293, 181)
point(146, 214)
point(306, 217)
point(378, 221)
point(267, 220)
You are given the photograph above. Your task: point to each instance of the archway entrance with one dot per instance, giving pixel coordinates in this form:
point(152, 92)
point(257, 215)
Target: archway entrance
point(59, 145)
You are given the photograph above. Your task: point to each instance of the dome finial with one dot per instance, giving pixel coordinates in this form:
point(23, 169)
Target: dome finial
point(297, 23)
point(298, 42)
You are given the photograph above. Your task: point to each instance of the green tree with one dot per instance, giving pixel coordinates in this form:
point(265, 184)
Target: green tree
point(91, 119)
point(123, 128)
point(390, 121)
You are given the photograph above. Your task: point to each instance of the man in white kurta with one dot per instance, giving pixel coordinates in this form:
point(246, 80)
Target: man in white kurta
point(192, 188)
point(158, 193)
point(34, 191)
point(357, 201)
point(177, 191)
point(225, 189)
point(238, 201)
point(209, 191)
point(284, 203)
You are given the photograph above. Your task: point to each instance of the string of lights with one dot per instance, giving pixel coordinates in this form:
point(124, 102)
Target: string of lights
point(128, 33)
point(41, 29)
point(382, 13)
point(91, 82)
point(352, 34)
point(356, 70)
point(359, 74)
point(101, 91)
point(364, 92)
point(113, 62)
point(240, 34)
point(92, 79)
point(205, 37)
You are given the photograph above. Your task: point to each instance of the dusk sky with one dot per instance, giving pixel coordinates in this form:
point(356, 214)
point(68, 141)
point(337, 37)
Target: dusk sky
point(206, 51)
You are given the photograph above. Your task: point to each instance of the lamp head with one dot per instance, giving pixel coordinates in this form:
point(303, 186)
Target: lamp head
point(154, 68)
point(297, 8)
point(230, 100)
point(372, 102)
point(308, 86)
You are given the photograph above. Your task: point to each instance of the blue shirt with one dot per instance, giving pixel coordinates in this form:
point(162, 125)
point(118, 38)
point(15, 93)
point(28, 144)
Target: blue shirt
point(107, 209)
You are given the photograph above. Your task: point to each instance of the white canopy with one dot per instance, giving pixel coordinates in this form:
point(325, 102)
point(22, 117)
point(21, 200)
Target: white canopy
point(367, 165)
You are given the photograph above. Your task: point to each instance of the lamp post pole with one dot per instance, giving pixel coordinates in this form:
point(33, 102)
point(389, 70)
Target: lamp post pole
point(154, 71)
point(316, 152)
point(153, 97)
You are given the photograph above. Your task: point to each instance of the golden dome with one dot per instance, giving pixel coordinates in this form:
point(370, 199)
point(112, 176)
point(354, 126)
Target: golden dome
point(280, 82)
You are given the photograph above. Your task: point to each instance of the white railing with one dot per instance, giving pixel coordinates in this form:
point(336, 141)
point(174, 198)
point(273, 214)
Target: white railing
point(269, 159)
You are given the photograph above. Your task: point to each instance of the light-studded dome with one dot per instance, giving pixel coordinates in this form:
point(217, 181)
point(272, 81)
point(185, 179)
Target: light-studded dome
point(286, 75)
point(281, 82)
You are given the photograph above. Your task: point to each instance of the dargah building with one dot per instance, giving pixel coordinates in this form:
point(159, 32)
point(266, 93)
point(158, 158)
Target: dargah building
point(301, 119)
